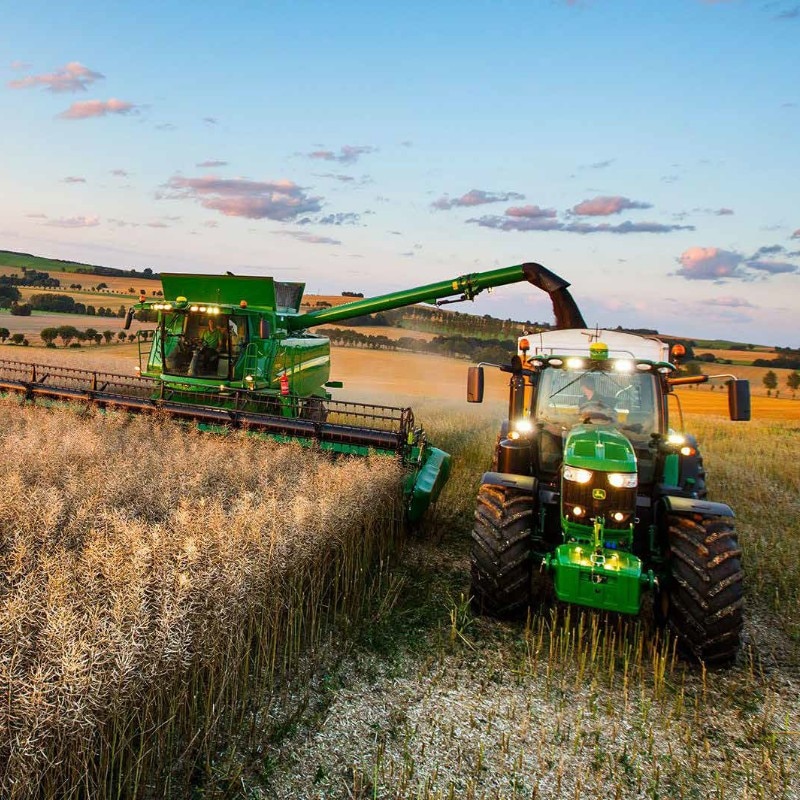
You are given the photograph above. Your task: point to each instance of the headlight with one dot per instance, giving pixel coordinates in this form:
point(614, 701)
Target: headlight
point(623, 480)
point(577, 475)
point(523, 426)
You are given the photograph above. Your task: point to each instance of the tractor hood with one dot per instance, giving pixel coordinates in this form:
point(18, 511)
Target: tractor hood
point(599, 448)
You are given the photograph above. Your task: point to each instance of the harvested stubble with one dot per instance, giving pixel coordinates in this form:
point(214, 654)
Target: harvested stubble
point(155, 583)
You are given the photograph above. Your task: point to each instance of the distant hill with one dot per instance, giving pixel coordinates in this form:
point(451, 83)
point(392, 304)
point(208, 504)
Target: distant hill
point(10, 258)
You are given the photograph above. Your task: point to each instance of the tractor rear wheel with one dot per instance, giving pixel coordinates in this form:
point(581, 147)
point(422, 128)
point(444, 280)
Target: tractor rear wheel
point(501, 551)
point(701, 600)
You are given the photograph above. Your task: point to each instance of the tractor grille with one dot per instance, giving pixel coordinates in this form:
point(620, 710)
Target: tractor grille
point(582, 494)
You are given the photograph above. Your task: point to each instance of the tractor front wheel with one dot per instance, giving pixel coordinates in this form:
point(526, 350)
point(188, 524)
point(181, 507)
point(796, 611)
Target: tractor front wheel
point(501, 551)
point(701, 599)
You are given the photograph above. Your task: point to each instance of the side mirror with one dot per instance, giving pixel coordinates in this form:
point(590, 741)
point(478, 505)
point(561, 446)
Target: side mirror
point(475, 385)
point(129, 318)
point(739, 400)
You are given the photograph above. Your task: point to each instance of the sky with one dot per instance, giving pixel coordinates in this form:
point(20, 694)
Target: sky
point(647, 152)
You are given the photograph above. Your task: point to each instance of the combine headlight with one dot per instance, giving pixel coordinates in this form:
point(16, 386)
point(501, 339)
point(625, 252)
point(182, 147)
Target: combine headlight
point(623, 365)
point(623, 480)
point(676, 439)
point(575, 363)
point(523, 426)
point(577, 475)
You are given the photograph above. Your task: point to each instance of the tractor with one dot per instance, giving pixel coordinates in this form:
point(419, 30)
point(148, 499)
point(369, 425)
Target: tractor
point(596, 496)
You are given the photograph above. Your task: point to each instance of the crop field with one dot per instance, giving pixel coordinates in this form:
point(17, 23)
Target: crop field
point(737, 355)
point(187, 614)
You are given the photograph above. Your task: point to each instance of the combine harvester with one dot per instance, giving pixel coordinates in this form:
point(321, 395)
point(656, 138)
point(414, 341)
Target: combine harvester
point(232, 352)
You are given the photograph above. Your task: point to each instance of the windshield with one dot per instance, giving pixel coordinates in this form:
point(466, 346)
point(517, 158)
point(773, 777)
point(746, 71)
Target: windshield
point(626, 400)
point(203, 345)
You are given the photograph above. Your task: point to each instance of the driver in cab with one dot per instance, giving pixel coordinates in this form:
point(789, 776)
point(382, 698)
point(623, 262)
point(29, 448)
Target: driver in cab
point(592, 404)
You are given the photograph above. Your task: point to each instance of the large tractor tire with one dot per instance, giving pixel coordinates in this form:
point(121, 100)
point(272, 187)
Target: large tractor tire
point(701, 600)
point(501, 551)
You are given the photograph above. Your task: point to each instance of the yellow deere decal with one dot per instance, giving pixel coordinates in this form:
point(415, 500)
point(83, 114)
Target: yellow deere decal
point(599, 494)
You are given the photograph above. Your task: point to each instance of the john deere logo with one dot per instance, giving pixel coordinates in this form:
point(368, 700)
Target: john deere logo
point(599, 494)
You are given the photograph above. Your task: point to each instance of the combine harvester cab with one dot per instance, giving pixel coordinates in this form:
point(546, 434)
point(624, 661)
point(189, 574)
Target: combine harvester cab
point(597, 496)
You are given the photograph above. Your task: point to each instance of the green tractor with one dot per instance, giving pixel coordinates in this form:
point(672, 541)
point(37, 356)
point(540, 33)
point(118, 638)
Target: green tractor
point(596, 497)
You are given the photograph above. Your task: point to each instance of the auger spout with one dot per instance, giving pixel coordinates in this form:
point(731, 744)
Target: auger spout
point(464, 287)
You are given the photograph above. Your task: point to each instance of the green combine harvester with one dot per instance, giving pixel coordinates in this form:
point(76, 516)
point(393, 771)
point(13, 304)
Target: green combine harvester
point(235, 352)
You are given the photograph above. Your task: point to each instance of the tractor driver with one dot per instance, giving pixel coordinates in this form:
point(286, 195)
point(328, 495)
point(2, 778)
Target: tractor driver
point(592, 401)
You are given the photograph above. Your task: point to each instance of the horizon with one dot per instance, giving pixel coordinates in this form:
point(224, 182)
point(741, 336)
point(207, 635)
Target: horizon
point(644, 154)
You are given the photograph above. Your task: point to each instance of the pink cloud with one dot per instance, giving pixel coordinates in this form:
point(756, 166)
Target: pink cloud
point(796, 234)
point(73, 179)
point(74, 222)
point(212, 163)
point(309, 238)
point(605, 206)
point(710, 263)
point(237, 197)
point(97, 108)
point(530, 212)
point(72, 77)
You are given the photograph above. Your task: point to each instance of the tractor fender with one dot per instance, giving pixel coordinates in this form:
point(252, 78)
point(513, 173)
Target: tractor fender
point(523, 483)
point(690, 505)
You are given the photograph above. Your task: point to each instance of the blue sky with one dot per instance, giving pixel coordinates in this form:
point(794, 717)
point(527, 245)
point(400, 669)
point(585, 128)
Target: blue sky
point(647, 152)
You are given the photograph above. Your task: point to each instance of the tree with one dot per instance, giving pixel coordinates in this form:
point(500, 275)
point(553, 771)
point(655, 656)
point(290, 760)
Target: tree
point(90, 333)
point(108, 336)
point(48, 335)
point(770, 380)
point(20, 310)
point(67, 333)
point(4, 334)
point(122, 336)
point(17, 338)
point(793, 382)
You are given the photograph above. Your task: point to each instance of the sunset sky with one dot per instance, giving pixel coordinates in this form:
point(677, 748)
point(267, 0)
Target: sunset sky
point(648, 152)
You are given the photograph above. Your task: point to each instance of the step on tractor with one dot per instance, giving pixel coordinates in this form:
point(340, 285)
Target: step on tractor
point(596, 496)
point(230, 351)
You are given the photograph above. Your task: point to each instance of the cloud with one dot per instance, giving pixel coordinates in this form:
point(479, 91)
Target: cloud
point(517, 223)
point(773, 267)
point(789, 13)
point(796, 234)
point(74, 222)
point(532, 218)
point(336, 177)
point(348, 154)
point(210, 120)
point(72, 77)
point(605, 206)
point(344, 218)
point(20, 65)
point(599, 164)
point(625, 227)
point(97, 108)
point(237, 197)
point(212, 164)
point(119, 173)
point(724, 212)
point(729, 302)
point(166, 126)
point(716, 264)
point(73, 179)
point(156, 225)
point(475, 197)
point(530, 212)
point(309, 238)
point(36, 216)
